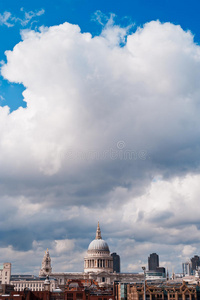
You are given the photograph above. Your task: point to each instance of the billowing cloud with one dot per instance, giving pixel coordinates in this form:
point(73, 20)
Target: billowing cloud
point(63, 245)
point(110, 132)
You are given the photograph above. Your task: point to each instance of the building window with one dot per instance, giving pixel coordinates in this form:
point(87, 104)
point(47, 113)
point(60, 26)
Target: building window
point(69, 296)
point(79, 296)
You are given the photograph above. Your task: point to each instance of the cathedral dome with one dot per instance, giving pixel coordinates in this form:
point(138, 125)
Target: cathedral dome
point(98, 257)
point(99, 244)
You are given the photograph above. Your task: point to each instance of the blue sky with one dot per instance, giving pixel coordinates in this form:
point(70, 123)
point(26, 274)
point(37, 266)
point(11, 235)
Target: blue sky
point(108, 130)
point(183, 13)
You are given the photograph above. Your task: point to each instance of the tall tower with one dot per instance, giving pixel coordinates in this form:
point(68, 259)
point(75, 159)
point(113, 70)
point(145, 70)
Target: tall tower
point(46, 268)
point(195, 261)
point(153, 261)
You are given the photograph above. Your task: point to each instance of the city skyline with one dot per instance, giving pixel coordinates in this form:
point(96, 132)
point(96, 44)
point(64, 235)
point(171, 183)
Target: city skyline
point(151, 264)
point(99, 120)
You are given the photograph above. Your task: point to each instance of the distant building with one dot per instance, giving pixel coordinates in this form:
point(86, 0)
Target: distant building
point(161, 270)
point(186, 267)
point(153, 261)
point(86, 290)
point(155, 272)
point(116, 262)
point(6, 289)
point(73, 290)
point(31, 282)
point(46, 268)
point(5, 272)
point(160, 291)
point(98, 256)
point(158, 274)
point(195, 263)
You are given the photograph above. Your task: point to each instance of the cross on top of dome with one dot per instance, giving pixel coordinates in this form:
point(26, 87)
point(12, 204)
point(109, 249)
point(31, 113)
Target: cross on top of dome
point(98, 232)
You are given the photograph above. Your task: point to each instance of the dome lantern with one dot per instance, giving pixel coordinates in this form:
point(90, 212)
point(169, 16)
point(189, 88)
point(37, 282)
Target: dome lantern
point(98, 232)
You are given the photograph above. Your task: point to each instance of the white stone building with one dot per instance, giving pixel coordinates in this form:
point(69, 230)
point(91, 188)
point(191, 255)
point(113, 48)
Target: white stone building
point(31, 282)
point(98, 265)
point(46, 268)
point(5, 272)
point(98, 257)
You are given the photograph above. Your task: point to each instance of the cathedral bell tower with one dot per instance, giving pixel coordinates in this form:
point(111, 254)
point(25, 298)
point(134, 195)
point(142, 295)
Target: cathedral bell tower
point(46, 268)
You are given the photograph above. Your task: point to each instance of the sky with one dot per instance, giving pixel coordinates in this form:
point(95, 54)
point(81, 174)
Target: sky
point(99, 121)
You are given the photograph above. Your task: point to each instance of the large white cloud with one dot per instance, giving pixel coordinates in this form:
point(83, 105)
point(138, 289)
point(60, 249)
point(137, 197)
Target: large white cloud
point(85, 93)
point(91, 101)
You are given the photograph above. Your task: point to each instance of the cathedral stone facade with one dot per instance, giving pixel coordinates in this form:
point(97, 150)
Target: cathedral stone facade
point(98, 265)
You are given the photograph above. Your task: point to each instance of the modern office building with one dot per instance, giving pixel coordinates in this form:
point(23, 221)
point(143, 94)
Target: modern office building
point(116, 262)
point(195, 263)
point(186, 267)
point(153, 261)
